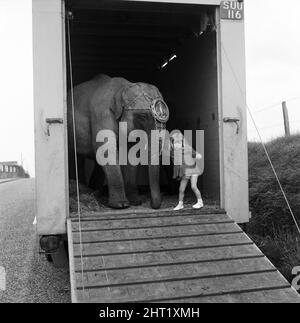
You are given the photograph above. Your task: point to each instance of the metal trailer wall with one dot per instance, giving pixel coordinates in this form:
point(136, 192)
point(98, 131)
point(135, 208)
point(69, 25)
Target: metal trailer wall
point(232, 96)
point(50, 102)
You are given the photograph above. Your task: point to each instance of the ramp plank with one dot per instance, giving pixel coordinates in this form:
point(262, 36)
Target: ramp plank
point(157, 222)
point(196, 288)
point(152, 233)
point(163, 257)
point(157, 245)
point(273, 296)
point(146, 212)
point(167, 273)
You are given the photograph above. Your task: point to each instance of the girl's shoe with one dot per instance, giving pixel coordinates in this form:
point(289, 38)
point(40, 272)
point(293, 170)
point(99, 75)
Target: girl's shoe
point(179, 207)
point(199, 205)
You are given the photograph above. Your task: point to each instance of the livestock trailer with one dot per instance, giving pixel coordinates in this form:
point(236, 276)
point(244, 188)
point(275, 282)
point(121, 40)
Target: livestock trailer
point(205, 84)
point(194, 52)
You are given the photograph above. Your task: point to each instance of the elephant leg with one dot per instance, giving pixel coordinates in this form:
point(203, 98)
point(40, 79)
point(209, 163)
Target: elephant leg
point(117, 197)
point(156, 199)
point(96, 181)
point(130, 182)
point(116, 189)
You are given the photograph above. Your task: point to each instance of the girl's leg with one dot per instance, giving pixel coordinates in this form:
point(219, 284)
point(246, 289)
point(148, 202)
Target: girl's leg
point(183, 185)
point(194, 182)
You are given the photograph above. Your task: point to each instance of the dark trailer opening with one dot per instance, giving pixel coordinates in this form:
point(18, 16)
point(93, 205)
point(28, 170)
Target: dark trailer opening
point(135, 40)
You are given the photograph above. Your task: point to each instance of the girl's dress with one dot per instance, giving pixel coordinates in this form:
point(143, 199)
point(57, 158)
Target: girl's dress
point(189, 165)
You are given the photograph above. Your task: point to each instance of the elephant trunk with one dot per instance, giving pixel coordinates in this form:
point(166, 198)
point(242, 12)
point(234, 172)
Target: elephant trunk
point(147, 124)
point(154, 186)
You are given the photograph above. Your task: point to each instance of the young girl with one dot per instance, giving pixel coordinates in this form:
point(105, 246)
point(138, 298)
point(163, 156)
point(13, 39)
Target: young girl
point(185, 172)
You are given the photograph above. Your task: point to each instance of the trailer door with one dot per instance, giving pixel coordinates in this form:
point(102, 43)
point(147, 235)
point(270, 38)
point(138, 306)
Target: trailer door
point(233, 135)
point(50, 116)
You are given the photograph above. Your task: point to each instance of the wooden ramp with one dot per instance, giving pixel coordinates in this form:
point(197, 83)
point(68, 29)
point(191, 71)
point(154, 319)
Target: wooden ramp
point(170, 257)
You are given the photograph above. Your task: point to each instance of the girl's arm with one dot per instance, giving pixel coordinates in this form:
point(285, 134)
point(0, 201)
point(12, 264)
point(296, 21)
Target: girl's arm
point(196, 155)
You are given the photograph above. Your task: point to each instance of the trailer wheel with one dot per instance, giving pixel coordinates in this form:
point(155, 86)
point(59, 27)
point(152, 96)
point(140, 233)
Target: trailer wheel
point(60, 257)
point(56, 250)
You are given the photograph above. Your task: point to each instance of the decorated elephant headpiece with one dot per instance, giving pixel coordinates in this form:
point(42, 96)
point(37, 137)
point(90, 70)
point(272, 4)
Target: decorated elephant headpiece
point(136, 95)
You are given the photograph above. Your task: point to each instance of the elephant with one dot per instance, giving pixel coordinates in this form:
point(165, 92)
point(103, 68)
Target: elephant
point(100, 104)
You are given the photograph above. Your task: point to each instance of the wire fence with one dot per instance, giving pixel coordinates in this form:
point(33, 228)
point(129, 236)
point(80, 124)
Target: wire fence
point(273, 131)
point(276, 105)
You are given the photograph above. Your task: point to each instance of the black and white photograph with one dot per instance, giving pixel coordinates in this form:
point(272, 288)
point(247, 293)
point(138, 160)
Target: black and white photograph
point(149, 153)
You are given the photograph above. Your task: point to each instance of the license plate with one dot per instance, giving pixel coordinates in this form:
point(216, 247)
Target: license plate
point(232, 10)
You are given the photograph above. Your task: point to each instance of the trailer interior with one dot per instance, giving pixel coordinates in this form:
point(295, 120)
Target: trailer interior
point(172, 46)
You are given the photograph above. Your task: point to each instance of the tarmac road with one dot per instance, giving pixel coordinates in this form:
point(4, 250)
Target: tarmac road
point(29, 277)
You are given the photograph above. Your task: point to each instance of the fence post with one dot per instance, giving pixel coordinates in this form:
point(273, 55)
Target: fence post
point(286, 119)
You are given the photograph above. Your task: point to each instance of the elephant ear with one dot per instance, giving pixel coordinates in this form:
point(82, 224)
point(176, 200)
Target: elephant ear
point(117, 105)
point(155, 93)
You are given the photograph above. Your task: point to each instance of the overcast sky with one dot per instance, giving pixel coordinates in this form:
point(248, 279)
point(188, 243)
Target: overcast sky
point(273, 72)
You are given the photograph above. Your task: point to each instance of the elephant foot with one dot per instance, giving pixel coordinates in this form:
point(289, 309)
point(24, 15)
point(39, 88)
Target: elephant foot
point(156, 204)
point(119, 205)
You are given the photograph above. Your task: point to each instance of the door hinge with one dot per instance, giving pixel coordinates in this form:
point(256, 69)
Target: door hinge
point(233, 120)
point(51, 121)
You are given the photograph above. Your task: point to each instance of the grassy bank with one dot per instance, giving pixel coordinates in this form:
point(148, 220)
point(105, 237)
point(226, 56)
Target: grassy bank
point(271, 226)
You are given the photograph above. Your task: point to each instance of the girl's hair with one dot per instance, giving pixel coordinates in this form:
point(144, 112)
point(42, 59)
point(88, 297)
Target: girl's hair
point(177, 136)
